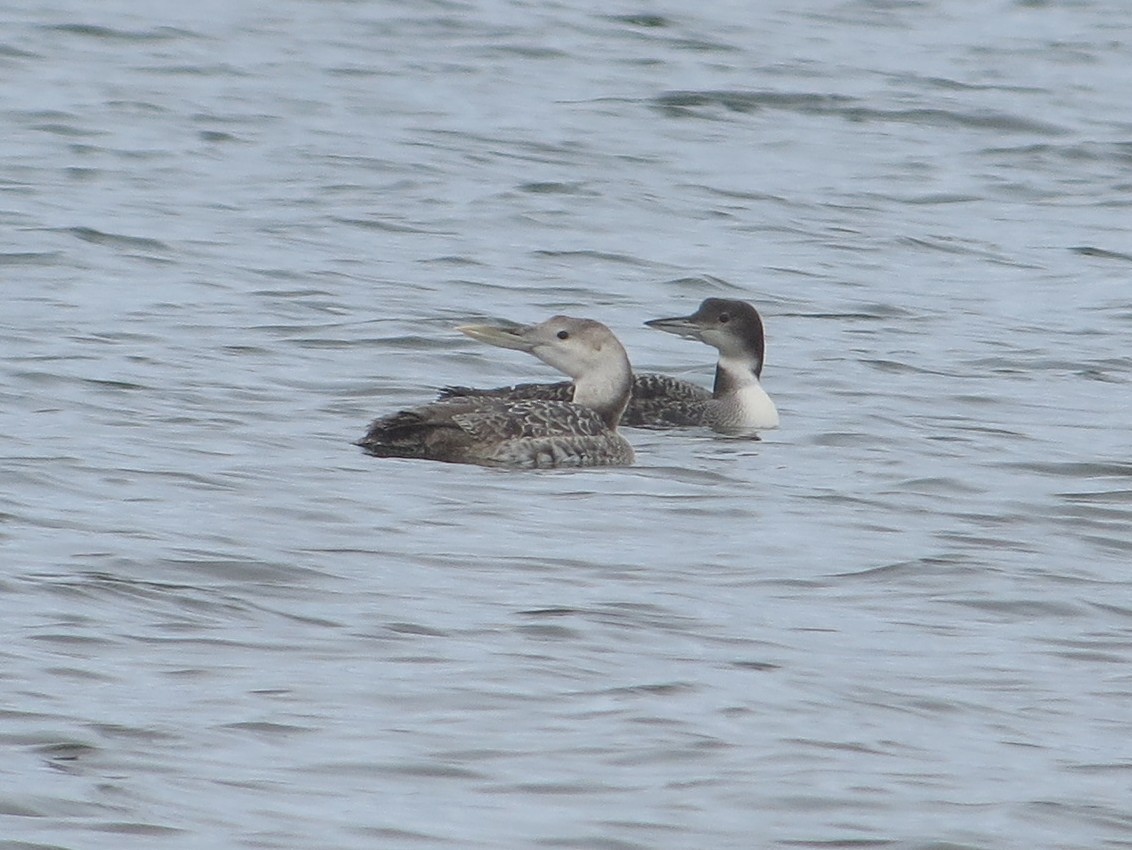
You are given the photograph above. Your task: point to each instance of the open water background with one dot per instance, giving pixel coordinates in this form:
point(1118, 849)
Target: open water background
point(232, 233)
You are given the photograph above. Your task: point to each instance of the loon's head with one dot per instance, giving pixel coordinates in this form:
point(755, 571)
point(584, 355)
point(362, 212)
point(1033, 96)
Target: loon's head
point(575, 347)
point(585, 350)
point(733, 327)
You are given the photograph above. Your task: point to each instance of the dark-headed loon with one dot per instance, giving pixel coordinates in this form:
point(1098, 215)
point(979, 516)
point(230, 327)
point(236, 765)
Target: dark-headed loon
point(580, 430)
point(737, 404)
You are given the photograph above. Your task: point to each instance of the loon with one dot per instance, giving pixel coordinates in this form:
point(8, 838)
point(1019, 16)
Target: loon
point(737, 405)
point(531, 433)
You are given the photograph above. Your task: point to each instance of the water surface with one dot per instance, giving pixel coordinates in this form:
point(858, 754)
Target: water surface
point(237, 232)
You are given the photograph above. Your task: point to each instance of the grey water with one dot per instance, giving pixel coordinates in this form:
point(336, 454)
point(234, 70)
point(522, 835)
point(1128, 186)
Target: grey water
point(233, 233)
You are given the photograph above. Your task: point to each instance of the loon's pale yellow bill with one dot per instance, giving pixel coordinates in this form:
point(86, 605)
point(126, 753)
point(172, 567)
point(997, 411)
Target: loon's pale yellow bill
point(510, 335)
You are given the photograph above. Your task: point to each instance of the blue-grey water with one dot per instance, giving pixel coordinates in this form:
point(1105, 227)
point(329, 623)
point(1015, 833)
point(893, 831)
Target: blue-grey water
point(233, 233)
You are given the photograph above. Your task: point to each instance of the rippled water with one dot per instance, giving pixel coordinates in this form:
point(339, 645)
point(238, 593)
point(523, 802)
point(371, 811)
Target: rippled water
point(233, 233)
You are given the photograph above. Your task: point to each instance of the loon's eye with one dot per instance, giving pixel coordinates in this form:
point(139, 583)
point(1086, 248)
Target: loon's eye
point(563, 334)
point(724, 318)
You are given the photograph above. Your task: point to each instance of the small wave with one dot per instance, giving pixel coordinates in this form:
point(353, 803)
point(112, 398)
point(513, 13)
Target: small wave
point(110, 34)
point(1114, 152)
point(118, 240)
point(642, 19)
point(683, 103)
point(1075, 469)
point(30, 258)
point(1102, 253)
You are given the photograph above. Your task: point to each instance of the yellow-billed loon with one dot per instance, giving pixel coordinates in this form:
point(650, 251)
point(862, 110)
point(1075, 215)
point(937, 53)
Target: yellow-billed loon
point(737, 404)
point(580, 430)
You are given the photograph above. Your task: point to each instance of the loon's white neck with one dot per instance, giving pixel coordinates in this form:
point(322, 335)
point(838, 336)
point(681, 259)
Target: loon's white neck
point(606, 388)
point(739, 402)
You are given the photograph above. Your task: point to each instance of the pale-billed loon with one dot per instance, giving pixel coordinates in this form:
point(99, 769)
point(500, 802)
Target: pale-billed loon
point(580, 430)
point(737, 404)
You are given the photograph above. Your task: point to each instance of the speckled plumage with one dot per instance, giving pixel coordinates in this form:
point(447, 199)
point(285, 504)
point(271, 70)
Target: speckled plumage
point(525, 432)
point(657, 401)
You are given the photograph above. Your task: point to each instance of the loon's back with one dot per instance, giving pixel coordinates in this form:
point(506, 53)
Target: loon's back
point(656, 401)
point(526, 433)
